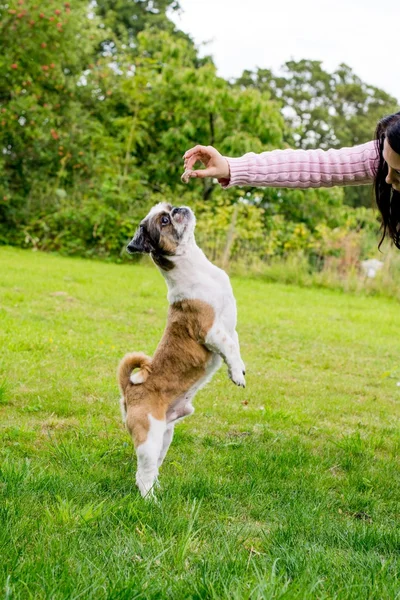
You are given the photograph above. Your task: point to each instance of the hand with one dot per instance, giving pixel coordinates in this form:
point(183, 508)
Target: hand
point(215, 164)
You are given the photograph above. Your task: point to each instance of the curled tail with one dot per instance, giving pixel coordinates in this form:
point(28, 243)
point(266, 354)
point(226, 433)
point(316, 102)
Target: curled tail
point(133, 360)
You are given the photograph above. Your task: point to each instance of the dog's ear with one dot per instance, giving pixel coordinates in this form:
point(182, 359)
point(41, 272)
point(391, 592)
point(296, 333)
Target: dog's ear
point(140, 242)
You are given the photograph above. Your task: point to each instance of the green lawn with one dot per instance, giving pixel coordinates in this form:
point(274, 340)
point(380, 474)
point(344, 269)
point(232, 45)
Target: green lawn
point(287, 489)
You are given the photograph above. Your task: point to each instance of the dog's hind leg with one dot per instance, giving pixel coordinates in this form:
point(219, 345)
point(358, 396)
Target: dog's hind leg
point(122, 404)
point(167, 439)
point(184, 407)
point(148, 435)
point(173, 418)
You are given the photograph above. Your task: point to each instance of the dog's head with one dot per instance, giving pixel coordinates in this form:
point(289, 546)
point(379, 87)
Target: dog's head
point(163, 233)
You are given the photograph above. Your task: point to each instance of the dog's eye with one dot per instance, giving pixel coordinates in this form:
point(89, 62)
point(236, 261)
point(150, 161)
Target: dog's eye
point(164, 220)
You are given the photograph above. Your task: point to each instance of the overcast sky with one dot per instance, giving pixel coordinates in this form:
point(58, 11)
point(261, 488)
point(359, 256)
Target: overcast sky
point(245, 34)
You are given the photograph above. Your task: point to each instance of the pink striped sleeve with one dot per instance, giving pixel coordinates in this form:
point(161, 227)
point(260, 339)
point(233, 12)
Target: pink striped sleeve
point(305, 168)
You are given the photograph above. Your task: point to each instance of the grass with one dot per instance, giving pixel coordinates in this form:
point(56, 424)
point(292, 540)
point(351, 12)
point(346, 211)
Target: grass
point(288, 489)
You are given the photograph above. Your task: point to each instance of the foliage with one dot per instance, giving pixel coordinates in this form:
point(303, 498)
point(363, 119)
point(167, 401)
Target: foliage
point(171, 103)
point(323, 110)
point(47, 134)
point(99, 103)
point(127, 18)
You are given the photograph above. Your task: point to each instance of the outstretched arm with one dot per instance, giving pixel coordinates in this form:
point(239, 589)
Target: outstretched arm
point(287, 168)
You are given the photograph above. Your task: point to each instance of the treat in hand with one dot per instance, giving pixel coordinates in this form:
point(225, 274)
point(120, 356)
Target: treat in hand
point(186, 176)
point(215, 164)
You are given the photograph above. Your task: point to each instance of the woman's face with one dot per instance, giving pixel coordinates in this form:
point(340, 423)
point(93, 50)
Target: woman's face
point(393, 162)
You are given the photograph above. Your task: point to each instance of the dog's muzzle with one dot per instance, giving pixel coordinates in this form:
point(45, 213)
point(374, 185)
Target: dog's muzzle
point(181, 214)
point(182, 210)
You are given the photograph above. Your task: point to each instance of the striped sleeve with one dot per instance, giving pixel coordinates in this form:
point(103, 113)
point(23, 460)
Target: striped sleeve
point(305, 168)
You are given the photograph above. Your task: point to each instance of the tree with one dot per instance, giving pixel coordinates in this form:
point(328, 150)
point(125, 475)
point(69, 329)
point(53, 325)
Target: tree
point(127, 18)
point(170, 103)
point(92, 129)
point(45, 125)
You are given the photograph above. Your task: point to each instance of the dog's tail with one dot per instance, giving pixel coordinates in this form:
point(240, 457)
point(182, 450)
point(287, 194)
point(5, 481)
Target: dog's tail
point(133, 360)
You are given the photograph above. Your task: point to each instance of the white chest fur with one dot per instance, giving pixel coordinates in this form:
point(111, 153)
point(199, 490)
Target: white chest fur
point(196, 278)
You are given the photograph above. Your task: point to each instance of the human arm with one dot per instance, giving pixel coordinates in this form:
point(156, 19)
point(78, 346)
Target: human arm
point(288, 168)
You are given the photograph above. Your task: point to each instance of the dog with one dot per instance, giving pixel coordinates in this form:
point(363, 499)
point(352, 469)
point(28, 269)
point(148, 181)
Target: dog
point(199, 335)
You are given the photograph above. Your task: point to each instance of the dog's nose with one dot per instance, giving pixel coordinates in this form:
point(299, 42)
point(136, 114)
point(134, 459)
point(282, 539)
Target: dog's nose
point(179, 209)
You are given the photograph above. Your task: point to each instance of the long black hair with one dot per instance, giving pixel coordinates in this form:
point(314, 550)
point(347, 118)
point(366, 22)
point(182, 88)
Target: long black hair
point(387, 199)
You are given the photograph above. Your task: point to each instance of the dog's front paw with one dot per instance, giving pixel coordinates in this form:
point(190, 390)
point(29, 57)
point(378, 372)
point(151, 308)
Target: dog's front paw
point(243, 367)
point(237, 377)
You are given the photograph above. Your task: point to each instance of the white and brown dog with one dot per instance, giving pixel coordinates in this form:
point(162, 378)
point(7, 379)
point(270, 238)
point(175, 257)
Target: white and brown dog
point(200, 331)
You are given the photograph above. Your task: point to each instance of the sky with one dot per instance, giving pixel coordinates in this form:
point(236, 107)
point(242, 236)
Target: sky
point(245, 34)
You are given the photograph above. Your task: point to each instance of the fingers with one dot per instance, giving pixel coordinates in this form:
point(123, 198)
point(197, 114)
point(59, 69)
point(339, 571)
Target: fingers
point(192, 160)
point(203, 157)
point(201, 173)
point(204, 154)
point(197, 150)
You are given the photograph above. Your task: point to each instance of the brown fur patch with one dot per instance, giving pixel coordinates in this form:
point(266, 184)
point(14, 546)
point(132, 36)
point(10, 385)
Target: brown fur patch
point(178, 363)
point(167, 243)
point(163, 239)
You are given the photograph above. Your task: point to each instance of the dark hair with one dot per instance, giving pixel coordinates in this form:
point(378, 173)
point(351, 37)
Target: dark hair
point(387, 199)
